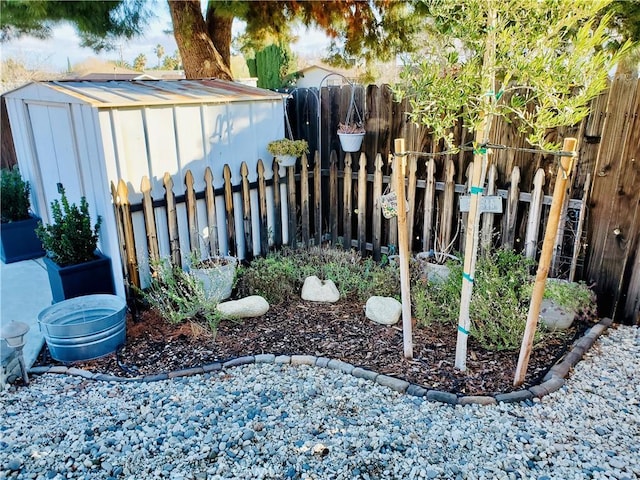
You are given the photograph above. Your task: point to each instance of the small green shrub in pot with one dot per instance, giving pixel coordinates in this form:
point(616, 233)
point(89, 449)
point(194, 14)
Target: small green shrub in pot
point(14, 196)
point(70, 239)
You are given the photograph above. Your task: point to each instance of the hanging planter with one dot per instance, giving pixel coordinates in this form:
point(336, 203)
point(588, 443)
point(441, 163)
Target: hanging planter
point(351, 132)
point(286, 150)
point(351, 142)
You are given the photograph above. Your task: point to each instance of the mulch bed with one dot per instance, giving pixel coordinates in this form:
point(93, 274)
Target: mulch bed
point(339, 331)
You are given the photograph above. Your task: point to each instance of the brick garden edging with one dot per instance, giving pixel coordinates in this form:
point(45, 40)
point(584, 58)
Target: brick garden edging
point(551, 382)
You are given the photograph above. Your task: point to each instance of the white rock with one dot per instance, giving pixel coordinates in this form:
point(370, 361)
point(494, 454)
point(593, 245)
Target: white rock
point(383, 310)
point(316, 290)
point(252, 306)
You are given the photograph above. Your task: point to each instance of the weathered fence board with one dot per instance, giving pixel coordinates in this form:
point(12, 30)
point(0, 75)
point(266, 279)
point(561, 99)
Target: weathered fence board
point(246, 239)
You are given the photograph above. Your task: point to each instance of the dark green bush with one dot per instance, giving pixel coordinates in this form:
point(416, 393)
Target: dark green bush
point(70, 239)
point(14, 196)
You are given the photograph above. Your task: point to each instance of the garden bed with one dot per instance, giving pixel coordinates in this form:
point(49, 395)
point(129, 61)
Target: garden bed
point(338, 331)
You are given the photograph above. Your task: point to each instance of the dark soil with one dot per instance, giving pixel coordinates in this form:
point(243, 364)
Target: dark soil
point(339, 331)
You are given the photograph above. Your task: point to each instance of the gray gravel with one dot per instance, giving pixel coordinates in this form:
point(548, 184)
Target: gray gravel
point(279, 421)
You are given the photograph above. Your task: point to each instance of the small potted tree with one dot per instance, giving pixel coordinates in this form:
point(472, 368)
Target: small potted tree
point(287, 151)
point(74, 264)
point(18, 240)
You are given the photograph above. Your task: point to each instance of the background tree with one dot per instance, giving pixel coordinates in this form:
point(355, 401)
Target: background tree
point(159, 51)
point(536, 63)
point(359, 29)
point(140, 62)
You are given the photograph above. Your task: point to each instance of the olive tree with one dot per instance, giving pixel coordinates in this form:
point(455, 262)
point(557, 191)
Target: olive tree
point(550, 56)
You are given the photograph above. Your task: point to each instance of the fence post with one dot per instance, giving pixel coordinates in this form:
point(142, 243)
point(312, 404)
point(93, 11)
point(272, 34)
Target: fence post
point(246, 211)
point(535, 212)
point(228, 205)
point(511, 214)
point(262, 205)
point(172, 220)
point(212, 221)
point(347, 186)
point(333, 197)
point(429, 201)
point(376, 221)
point(362, 204)
point(277, 205)
point(149, 220)
point(192, 217)
point(304, 200)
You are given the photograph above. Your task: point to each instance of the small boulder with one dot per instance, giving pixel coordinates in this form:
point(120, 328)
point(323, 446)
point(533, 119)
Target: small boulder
point(554, 316)
point(248, 307)
point(316, 290)
point(383, 310)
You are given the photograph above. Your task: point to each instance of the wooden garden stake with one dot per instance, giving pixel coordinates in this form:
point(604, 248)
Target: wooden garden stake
point(559, 192)
point(403, 247)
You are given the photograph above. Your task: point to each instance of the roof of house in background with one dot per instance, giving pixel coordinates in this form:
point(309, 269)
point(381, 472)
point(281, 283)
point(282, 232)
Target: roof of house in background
point(340, 71)
point(146, 92)
point(123, 74)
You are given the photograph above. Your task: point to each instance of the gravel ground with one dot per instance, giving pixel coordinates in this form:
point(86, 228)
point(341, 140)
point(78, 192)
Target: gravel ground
point(266, 421)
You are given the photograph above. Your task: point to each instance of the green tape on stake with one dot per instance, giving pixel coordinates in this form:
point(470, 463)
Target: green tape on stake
point(467, 277)
point(463, 330)
point(499, 94)
point(476, 190)
point(480, 151)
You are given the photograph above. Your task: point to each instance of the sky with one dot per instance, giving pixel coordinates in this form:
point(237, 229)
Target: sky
point(63, 48)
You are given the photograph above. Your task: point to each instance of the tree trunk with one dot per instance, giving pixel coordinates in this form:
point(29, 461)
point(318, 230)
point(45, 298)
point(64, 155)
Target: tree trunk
point(199, 56)
point(219, 29)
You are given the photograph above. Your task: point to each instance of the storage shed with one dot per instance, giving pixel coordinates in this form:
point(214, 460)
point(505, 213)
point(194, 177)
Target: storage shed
point(85, 135)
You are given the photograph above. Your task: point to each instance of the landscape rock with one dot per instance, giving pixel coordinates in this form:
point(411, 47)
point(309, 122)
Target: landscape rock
point(248, 307)
point(554, 316)
point(383, 310)
point(316, 290)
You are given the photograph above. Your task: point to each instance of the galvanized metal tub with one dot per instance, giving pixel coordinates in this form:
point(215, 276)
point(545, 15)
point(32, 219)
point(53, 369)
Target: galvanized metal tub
point(84, 328)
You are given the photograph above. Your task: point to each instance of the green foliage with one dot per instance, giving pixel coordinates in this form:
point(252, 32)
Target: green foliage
point(70, 239)
point(179, 297)
point(573, 296)
point(99, 24)
point(280, 276)
point(14, 196)
point(539, 66)
point(273, 277)
point(438, 301)
point(499, 303)
point(285, 146)
point(271, 65)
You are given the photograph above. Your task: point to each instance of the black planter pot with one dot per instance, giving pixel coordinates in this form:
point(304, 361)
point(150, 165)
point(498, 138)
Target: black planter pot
point(82, 279)
point(18, 241)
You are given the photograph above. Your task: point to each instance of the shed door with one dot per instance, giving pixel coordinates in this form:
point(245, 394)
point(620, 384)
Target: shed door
point(53, 137)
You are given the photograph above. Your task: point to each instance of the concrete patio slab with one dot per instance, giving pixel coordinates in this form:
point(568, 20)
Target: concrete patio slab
point(24, 292)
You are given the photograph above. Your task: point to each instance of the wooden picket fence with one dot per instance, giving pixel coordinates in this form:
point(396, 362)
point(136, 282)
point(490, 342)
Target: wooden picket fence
point(334, 206)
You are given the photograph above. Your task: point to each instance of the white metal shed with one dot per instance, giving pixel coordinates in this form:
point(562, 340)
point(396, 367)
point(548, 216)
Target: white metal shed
point(85, 135)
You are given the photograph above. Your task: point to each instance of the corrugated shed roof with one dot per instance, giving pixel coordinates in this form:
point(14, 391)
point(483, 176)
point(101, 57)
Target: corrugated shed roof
point(160, 92)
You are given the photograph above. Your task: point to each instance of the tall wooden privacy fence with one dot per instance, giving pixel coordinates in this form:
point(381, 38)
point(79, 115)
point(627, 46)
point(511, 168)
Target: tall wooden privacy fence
point(307, 205)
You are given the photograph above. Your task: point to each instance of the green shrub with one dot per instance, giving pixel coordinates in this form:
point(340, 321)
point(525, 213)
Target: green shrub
point(273, 277)
point(178, 296)
point(499, 303)
point(280, 276)
point(14, 196)
point(70, 239)
point(438, 301)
